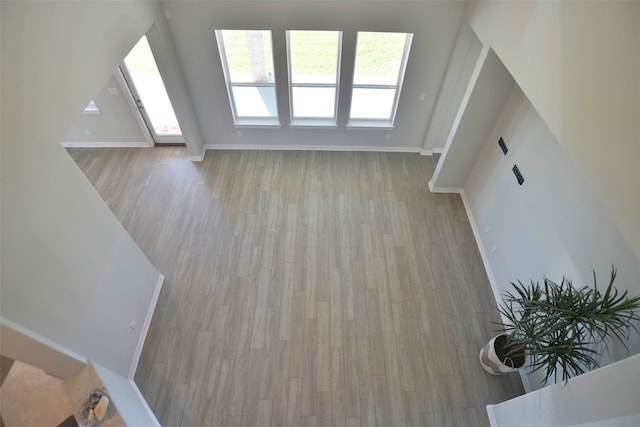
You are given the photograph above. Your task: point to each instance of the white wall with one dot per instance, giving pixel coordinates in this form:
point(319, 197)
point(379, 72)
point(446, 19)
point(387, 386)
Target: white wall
point(21, 344)
point(609, 396)
point(553, 224)
point(435, 26)
point(114, 126)
point(70, 272)
point(461, 65)
point(132, 407)
point(489, 87)
point(578, 63)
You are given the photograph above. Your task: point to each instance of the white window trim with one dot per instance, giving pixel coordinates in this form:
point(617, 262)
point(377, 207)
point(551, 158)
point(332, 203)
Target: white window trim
point(354, 123)
point(245, 121)
point(323, 122)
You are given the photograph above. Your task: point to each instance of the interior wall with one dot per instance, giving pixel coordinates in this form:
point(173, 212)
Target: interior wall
point(114, 126)
point(488, 89)
point(604, 397)
point(434, 24)
point(578, 63)
point(463, 61)
point(70, 272)
point(553, 225)
point(19, 345)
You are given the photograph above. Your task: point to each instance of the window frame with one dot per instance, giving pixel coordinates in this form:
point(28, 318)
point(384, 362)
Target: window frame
point(376, 122)
point(249, 121)
point(311, 121)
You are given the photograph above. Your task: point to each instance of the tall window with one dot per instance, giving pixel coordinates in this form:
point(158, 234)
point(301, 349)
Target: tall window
point(247, 62)
point(314, 67)
point(381, 59)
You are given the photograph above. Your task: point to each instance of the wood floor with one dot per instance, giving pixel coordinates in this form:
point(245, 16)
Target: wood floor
point(305, 289)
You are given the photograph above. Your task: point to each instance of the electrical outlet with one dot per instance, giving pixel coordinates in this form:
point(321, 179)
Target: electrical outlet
point(516, 172)
point(238, 133)
point(133, 325)
point(503, 146)
point(422, 96)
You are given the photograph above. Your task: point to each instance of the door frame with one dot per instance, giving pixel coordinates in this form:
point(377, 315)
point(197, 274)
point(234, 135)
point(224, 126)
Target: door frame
point(135, 103)
point(131, 101)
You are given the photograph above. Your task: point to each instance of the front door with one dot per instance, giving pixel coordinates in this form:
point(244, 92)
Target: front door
point(148, 92)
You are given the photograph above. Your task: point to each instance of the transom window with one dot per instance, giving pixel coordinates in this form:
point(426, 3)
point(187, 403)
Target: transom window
point(247, 62)
point(314, 67)
point(381, 59)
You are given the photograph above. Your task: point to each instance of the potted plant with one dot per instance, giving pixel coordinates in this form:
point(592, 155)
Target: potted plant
point(558, 326)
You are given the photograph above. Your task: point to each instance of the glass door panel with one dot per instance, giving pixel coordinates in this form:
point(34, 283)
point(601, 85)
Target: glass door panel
point(148, 90)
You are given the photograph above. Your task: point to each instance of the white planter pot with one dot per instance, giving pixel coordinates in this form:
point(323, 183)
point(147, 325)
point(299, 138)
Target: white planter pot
point(491, 362)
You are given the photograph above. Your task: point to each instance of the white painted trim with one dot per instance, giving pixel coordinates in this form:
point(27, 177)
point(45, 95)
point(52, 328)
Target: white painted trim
point(145, 326)
point(138, 144)
point(42, 340)
point(199, 157)
point(369, 148)
point(431, 152)
point(462, 108)
point(485, 260)
point(492, 279)
point(128, 96)
point(435, 189)
point(144, 403)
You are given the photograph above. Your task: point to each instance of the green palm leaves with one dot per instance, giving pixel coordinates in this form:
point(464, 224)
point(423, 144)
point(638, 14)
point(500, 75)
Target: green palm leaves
point(561, 326)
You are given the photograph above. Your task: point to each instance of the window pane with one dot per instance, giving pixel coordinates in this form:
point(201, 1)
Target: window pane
point(249, 55)
point(313, 56)
point(247, 59)
point(379, 58)
point(313, 102)
point(375, 104)
point(255, 101)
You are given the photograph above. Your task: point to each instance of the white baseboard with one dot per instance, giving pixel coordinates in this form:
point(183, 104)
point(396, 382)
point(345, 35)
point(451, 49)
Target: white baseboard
point(145, 326)
point(492, 416)
point(144, 403)
point(485, 261)
point(483, 253)
point(139, 144)
point(492, 280)
point(199, 157)
point(368, 148)
point(443, 189)
point(431, 152)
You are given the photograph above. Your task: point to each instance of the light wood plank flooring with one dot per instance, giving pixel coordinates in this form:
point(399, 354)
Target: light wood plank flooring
point(305, 289)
